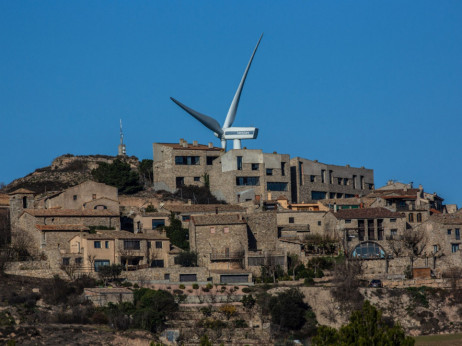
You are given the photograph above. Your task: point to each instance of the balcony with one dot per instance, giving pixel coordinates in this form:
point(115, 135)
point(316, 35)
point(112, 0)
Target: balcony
point(227, 256)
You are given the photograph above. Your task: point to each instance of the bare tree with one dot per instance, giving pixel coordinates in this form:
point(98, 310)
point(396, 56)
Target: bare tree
point(347, 282)
point(414, 241)
point(91, 259)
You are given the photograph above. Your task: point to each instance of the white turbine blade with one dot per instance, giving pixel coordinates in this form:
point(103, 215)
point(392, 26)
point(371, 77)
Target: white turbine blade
point(207, 121)
point(233, 108)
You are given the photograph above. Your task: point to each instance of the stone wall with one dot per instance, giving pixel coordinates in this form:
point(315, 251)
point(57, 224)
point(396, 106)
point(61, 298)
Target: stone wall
point(262, 231)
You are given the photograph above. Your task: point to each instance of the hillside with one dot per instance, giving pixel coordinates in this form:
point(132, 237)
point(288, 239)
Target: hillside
point(65, 171)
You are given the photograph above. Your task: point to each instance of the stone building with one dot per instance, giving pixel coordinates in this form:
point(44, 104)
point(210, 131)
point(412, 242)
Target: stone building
point(87, 195)
point(313, 181)
point(19, 200)
point(181, 164)
point(246, 175)
point(107, 247)
point(219, 240)
point(146, 221)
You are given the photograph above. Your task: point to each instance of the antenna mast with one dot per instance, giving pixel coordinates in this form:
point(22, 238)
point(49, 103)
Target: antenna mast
point(122, 149)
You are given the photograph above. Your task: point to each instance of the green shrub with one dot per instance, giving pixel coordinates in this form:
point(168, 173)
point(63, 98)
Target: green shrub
point(209, 286)
point(195, 286)
point(246, 290)
point(182, 287)
point(240, 324)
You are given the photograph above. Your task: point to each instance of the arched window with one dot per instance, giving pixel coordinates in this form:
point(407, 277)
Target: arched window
point(368, 250)
point(411, 217)
point(100, 207)
point(419, 217)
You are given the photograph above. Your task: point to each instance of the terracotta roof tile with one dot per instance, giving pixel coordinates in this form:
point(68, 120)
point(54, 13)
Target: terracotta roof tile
point(62, 228)
point(366, 213)
point(217, 219)
point(70, 212)
point(112, 234)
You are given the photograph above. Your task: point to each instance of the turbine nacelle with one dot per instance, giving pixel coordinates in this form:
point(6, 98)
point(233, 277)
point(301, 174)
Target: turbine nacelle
point(227, 132)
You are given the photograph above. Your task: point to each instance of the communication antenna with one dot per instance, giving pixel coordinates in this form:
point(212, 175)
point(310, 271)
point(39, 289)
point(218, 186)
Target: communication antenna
point(122, 149)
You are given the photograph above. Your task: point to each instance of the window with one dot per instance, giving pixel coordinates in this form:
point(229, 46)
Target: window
point(187, 160)
point(24, 202)
point(361, 182)
point(339, 181)
point(157, 263)
point(371, 186)
point(349, 195)
point(457, 234)
point(158, 245)
point(166, 276)
point(93, 196)
point(345, 181)
point(331, 177)
point(348, 221)
point(255, 166)
point(212, 230)
point(300, 173)
point(449, 231)
point(78, 260)
point(97, 244)
point(419, 217)
point(239, 163)
point(74, 197)
point(454, 247)
point(269, 171)
point(291, 219)
point(210, 160)
point(131, 244)
point(179, 181)
point(368, 250)
point(312, 178)
point(435, 248)
point(339, 195)
point(392, 220)
point(106, 244)
point(283, 168)
point(354, 181)
point(101, 263)
point(380, 234)
point(247, 181)
point(332, 195)
point(274, 186)
point(315, 195)
point(157, 223)
point(323, 175)
point(149, 244)
point(319, 223)
point(185, 218)
point(66, 261)
point(393, 232)
point(411, 217)
point(197, 178)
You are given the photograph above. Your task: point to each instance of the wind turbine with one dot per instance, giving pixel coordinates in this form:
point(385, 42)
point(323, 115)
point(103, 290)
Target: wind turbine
point(227, 132)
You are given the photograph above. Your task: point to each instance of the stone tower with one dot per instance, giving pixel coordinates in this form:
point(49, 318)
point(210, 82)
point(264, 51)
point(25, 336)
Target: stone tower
point(19, 200)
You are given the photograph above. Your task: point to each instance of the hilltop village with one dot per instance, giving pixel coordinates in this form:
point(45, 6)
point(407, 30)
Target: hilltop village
point(270, 214)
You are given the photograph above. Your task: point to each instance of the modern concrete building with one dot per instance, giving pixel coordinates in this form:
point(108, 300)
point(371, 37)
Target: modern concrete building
point(313, 180)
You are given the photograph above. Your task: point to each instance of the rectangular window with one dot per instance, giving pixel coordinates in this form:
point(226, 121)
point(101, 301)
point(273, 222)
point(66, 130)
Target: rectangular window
point(312, 178)
point(319, 223)
point(131, 244)
point(371, 186)
point(348, 221)
point(449, 231)
point(354, 181)
point(78, 260)
point(210, 160)
point(158, 245)
point(454, 248)
point(239, 163)
point(274, 186)
point(457, 234)
point(100, 263)
point(269, 171)
point(331, 177)
point(157, 263)
point(315, 195)
point(166, 276)
point(179, 181)
point(339, 195)
point(197, 178)
point(93, 196)
point(331, 195)
point(97, 244)
point(380, 234)
point(185, 218)
point(349, 195)
point(187, 160)
point(345, 181)
point(300, 173)
point(106, 244)
point(283, 168)
point(291, 219)
point(323, 175)
point(157, 223)
point(361, 182)
point(435, 248)
point(247, 181)
point(393, 232)
point(74, 197)
point(255, 166)
point(392, 220)
point(66, 261)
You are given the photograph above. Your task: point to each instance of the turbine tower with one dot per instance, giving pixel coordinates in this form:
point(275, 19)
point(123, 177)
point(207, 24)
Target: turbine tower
point(227, 132)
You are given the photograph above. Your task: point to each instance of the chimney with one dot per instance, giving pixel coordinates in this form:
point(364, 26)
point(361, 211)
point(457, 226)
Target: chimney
point(195, 144)
point(185, 144)
point(189, 202)
point(181, 141)
point(275, 152)
point(411, 184)
point(347, 166)
point(210, 145)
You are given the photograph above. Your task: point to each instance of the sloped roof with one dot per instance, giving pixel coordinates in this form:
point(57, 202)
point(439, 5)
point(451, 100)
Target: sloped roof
point(4, 200)
point(447, 219)
point(367, 213)
point(207, 208)
point(395, 193)
point(217, 219)
point(70, 212)
point(112, 234)
point(21, 191)
point(62, 228)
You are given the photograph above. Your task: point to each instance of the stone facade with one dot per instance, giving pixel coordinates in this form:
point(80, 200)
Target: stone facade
point(219, 240)
point(312, 180)
point(182, 164)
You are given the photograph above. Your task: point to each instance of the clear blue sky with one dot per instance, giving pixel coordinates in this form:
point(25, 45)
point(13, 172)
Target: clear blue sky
point(366, 83)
